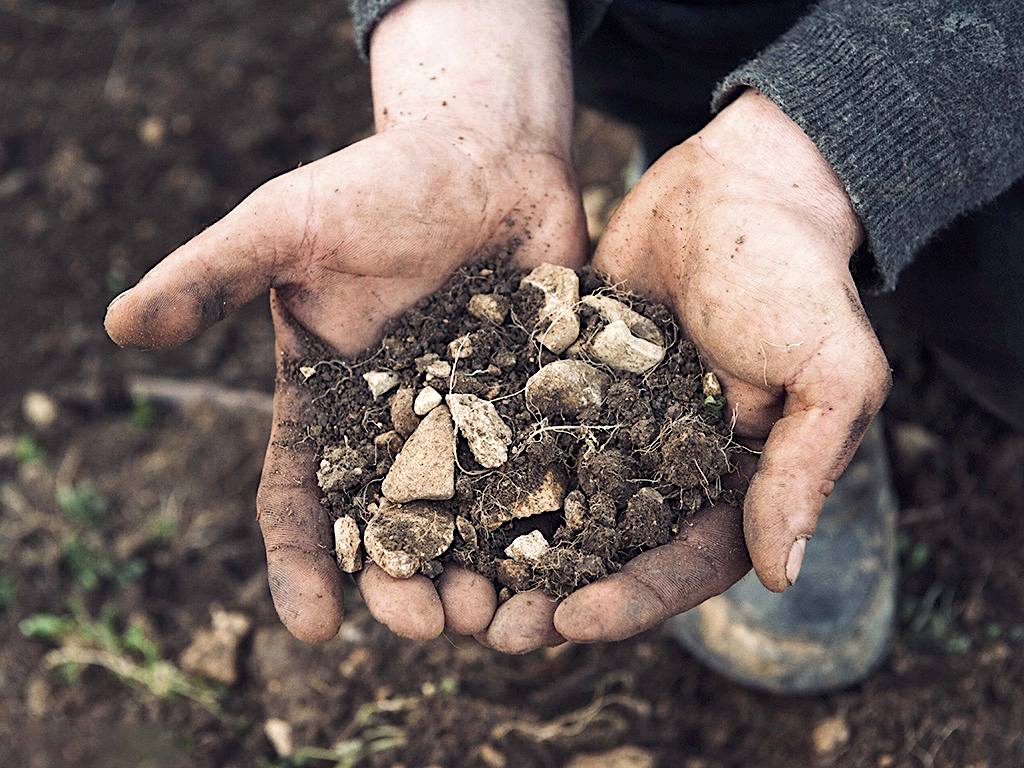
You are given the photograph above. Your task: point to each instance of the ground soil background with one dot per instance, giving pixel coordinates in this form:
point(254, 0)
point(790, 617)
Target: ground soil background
point(125, 128)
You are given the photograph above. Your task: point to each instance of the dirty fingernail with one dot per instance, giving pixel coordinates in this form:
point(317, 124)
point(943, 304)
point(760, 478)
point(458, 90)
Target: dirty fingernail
point(117, 298)
point(796, 559)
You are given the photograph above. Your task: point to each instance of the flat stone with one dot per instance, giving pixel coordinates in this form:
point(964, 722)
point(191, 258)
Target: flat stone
point(558, 325)
point(616, 346)
point(566, 388)
point(380, 382)
point(426, 401)
point(612, 310)
point(490, 307)
point(348, 544)
point(439, 369)
point(486, 433)
point(627, 756)
point(402, 538)
point(546, 495)
point(529, 546)
point(425, 467)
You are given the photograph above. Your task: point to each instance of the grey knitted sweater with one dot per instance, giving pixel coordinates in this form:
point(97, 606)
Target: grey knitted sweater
point(917, 104)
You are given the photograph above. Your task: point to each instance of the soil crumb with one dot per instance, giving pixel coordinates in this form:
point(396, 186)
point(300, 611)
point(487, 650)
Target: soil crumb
point(538, 427)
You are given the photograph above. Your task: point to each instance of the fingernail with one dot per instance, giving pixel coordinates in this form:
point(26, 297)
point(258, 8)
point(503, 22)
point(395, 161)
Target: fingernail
point(796, 559)
point(117, 298)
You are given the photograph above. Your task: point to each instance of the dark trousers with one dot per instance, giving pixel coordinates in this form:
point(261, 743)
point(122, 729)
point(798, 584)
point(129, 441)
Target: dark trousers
point(655, 63)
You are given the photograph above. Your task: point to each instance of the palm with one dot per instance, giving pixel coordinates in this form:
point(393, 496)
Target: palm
point(345, 244)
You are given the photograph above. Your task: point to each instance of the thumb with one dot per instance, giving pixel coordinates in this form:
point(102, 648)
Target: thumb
point(208, 277)
point(822, 424)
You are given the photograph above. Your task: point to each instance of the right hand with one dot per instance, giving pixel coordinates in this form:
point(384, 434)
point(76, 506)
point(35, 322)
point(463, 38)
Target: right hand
point(348, 242)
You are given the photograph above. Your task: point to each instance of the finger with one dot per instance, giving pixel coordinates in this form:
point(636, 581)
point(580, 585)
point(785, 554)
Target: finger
point(211, 275)
point(665, 581)
point(468, 599)
point(305, 582)
point(523, 623)
point(825, 416)
point(408, 607)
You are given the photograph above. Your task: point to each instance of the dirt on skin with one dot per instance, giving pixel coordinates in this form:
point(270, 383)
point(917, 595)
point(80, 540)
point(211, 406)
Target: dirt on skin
point(582, 474)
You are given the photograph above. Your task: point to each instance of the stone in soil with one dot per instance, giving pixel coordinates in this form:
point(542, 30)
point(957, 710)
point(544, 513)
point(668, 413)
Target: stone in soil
point(538, 428)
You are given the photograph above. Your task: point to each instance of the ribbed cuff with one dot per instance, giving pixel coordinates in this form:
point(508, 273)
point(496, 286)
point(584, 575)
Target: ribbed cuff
point(920, 114)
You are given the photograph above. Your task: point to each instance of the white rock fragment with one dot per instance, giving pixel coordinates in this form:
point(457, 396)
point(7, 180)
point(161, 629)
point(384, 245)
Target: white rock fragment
point(439, 369)
point(401, 538)
point(425, 467)
point(530, 546)
point(39, 409)
point(546, 496)
point(461, 348)
point(307, 371)
point(380, 382)
point(566, 388)
point(426, 401)
point(612, 310)
point(558, 325)
point(617, 347)
point(489, 307)
point(347, 544)
point(478, 421)
point(279, 734)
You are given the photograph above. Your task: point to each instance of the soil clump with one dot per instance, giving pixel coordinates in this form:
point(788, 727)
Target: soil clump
point(538, 427)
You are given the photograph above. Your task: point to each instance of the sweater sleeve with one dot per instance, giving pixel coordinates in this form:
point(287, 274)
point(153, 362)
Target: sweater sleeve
point(918, 106)
point(584, 16)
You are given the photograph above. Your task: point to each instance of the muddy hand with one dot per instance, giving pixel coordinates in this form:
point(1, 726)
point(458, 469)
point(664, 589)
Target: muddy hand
point(345, 243)
point(746, 232)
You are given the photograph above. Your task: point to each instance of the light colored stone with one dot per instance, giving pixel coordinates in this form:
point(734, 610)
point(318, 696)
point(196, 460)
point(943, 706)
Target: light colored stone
point(830, 734)
point(380, 382)
point(616, 346)
point(485, 431)
point(490, 307)
point(348, 544)
point(39, 409)
point(611, 310)
point(426, 401)
point(279, 734)
point(530, 546)
point(439, 369)
point(566, 388)
point(403, 418)
point(461, 348)
point(341, 469)
point(213, 652)
point(546, 496)
point(425, 467)
point(558, 325)
point(627, 756)
point(401, 538)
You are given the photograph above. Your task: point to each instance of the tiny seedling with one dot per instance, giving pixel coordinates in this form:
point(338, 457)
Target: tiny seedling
point(27, 450)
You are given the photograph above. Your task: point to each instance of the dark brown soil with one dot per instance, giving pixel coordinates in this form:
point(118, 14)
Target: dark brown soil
point(630, 468)
point(244, 96)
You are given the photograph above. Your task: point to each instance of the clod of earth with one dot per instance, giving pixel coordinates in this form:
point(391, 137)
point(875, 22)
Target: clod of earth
point(537, 427)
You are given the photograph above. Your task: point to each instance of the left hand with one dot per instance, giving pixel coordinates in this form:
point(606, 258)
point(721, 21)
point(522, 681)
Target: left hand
point(746, 232)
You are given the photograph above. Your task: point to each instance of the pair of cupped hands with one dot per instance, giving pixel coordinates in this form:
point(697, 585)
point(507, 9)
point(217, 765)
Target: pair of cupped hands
point(743, 230)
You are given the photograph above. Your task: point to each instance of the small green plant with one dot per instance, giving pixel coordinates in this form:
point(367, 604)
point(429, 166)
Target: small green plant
point(82, 504)
point(91, 564)
point(143, 415)
point(27, 450)
point(714, 403)
point(122, 648)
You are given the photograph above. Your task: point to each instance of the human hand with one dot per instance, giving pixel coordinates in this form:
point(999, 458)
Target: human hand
point(746, 233)
point(471, 154)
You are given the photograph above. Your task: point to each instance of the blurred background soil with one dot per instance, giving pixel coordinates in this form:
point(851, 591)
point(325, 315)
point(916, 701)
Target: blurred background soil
point(135, 623)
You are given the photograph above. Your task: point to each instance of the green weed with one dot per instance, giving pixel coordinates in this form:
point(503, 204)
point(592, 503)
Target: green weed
point(81, 504)
point(124, 649)
point(27, 450)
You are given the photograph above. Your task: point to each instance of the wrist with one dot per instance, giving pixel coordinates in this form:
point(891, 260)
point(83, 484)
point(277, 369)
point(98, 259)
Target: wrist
point(491, 72)
point(775, 152)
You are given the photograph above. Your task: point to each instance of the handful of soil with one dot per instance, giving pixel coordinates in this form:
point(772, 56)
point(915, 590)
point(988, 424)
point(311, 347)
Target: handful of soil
point(537, 427)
